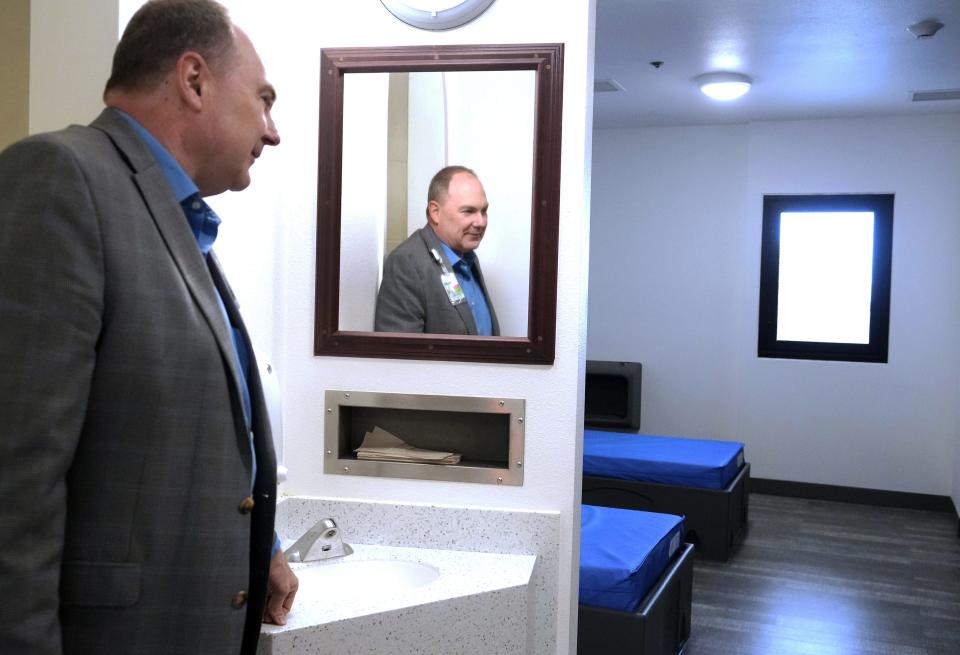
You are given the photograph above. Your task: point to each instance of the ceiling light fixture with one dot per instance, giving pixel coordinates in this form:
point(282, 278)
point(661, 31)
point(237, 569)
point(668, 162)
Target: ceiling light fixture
point(723, 86)
point(925, 29)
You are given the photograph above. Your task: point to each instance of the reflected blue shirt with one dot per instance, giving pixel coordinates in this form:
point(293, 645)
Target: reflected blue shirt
point(463, 268)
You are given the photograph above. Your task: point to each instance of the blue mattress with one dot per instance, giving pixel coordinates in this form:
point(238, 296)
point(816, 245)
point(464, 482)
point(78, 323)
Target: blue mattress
point(668, 460)
point(622, 554)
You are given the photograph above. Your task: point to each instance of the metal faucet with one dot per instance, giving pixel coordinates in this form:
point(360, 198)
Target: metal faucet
point(322, 541)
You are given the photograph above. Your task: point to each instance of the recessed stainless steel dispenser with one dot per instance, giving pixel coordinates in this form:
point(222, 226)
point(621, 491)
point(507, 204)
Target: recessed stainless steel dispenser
point(487, 433)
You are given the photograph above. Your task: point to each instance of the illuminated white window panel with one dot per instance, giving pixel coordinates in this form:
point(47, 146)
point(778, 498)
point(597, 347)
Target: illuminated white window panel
point(826, 273)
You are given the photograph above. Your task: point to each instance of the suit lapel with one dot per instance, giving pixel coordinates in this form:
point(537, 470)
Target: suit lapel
point(266, 481)
point(257, 409)
point(175, 232)
point(463, 309)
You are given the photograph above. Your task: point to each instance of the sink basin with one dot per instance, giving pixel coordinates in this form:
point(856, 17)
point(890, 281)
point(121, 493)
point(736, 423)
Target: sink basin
point(387, 599)
point(350, 578)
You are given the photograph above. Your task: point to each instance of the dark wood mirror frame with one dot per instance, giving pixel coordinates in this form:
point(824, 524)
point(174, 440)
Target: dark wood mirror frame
point(538, 346)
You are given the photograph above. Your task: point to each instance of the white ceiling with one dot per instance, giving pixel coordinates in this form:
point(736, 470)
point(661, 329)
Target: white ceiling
point(808, 58)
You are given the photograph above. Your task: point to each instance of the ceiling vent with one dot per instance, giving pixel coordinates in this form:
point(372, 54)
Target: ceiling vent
point(607, 86)
point(924, 96)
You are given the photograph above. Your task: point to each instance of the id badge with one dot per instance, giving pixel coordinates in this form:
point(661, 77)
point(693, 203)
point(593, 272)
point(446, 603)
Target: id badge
point(452, 286)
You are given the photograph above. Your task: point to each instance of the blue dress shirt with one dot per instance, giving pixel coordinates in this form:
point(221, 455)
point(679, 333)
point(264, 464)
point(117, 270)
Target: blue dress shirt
point(463, 268)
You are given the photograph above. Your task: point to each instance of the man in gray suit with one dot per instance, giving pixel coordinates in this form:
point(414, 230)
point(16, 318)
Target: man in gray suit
point(432, 281)
point(136, 462)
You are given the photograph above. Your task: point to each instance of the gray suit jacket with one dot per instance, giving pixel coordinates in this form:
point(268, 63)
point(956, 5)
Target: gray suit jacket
point(412, 297)
point(124, 456)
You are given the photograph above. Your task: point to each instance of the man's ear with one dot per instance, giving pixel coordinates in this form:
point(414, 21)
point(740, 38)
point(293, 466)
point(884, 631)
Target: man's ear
point(433, 208)
point(192, 79)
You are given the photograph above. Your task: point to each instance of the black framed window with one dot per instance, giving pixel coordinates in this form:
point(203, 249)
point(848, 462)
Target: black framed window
point(825, 277)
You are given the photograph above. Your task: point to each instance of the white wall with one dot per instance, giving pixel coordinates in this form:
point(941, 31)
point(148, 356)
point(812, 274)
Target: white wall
point(663, 264)
point(270, 229)
point(675, 278)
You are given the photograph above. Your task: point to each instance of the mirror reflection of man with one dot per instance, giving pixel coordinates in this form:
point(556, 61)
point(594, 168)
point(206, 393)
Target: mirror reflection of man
point(432, 282)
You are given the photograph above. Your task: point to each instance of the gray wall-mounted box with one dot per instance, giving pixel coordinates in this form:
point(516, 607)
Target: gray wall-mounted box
point(487, 433)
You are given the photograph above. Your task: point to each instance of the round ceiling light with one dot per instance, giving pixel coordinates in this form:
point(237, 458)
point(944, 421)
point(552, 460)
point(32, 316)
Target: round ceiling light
point(925, 29)
point(724, 86)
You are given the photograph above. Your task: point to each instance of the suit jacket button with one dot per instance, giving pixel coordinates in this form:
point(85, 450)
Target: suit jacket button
point(246, 505)
point(239, 600)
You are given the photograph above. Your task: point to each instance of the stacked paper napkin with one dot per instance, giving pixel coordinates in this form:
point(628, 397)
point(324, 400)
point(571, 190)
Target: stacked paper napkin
point(379, 445)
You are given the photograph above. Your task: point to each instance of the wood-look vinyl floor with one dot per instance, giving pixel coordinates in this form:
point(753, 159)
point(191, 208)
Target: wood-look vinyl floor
point(824, 578)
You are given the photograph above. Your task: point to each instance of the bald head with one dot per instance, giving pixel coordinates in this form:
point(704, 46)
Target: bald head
point(457, 208)
point(163, 30)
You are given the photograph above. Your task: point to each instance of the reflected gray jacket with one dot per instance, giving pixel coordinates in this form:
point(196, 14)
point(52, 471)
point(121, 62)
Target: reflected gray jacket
point(412, 297)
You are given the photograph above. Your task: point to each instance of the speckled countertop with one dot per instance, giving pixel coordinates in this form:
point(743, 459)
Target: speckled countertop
point(492, 589)
point(461, 574)
point(532, 609)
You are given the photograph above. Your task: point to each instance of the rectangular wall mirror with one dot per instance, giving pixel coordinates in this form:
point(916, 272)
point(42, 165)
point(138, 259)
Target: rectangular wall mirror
point(389, 119)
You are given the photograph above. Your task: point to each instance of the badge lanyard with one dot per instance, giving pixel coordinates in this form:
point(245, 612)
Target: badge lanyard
point(449, 281)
